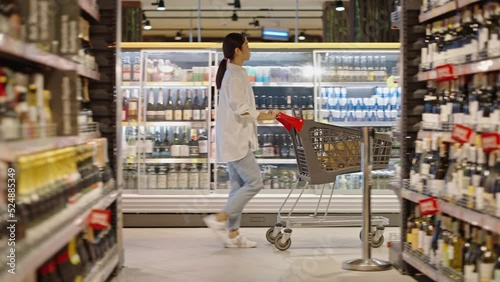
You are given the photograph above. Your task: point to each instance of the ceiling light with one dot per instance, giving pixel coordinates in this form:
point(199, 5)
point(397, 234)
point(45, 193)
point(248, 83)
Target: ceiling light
point(234, 17)
point(236, 4)
point(178, 36)
point(147, 25)
point(339, 6)
point(302, 36)
point(161, 5)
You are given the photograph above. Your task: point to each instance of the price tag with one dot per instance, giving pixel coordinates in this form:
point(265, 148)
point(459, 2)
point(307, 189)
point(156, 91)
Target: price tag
point(428, 206)
point(444, 73)
point(490, 141)
point(100, 219)
point(461, 133)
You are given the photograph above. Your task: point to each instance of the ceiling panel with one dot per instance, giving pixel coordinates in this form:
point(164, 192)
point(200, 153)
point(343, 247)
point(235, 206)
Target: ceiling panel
point(169, 22)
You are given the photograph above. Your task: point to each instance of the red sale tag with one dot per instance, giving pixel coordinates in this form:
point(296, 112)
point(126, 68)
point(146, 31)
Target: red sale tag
point(100, 219)
point(444, 73)
point(461, 133)
point(491, 141)
point(428, 206)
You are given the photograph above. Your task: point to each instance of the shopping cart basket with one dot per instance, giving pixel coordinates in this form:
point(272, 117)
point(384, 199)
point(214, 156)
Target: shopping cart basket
point(323, 152)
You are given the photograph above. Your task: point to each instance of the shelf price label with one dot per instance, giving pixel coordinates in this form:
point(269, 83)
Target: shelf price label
point(490, 141)
point(428, 206)
point(445, 73)
point(461, 133)
point(100, 219)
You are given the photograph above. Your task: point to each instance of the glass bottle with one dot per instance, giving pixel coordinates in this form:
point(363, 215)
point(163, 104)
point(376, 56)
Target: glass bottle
point(151, 108)
point(183, 177)
point(487, 259)
point(178, 108)
point(160, 107)
point(187, 113)
point(204, 106)
point(197, 108)
point(173, 177)
point(162, 178)
point(194, 177)
point(204, 177)
point(175, 149)
point(133, 106)
point(185, 144)
point(169, 107)
point(203, 144)
point(194, 149)
point(152, 178)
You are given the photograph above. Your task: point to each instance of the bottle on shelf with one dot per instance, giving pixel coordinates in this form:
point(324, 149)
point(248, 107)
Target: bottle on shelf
point(151, 108)
point(197, 108)
point(204, 107)
point(204, 177)
point(162, 178)
point(185, 144)
point(194, 177)
point(194, 146)
point(133, 106)
point(183, 177)
point(203, 144)
point(160, 107)
point(178, 108)
point(152, 178)
point(486, 262)
point(172, 177)
point(187, 113)
point(169, 107)
point(175, 149)
point(125, 105)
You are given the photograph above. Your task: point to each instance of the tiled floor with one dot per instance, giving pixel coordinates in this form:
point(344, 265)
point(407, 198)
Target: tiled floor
point(195, 254)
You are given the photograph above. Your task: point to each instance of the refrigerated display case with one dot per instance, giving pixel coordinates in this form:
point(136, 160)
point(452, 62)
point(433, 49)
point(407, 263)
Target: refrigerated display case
point(283, 76)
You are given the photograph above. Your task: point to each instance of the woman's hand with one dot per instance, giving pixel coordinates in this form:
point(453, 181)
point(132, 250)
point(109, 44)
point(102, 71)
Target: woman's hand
point(274, 113)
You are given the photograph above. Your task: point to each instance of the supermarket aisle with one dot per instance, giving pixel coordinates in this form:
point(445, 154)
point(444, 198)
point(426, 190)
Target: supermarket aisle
point(194, 254)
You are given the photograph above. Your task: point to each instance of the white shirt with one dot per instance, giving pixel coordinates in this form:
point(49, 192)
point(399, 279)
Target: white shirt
point(234, 132)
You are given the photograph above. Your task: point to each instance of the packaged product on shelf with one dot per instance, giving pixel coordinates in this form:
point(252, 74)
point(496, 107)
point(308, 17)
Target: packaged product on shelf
point(183, 177)
point(152, 178)
point(204, 177)
point(126, 67)
point(194, 177)
point(162, 178)
point(160, 107)
point(172, 177)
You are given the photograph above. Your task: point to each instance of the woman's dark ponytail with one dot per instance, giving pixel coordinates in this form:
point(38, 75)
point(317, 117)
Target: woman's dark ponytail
point(230, 43)
point(220, 73)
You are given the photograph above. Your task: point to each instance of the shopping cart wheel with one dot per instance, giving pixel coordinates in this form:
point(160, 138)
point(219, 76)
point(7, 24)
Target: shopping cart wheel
point(377, 243)
point(269, 235)
point(282, 246)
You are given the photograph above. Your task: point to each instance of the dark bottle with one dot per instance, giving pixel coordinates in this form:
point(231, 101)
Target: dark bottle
point(169, 108)
point(151, 108)
point(263, 102)
point(204, 106)
point(194, 149)
point(291, 149)
point(284, 147)
point(270, 101)
point(178, 108)
point(158, 146)
point(197, 108)
point(203, 144)
point(267, 148)
point(165, 144)
point(276, 145)
point(160, 107)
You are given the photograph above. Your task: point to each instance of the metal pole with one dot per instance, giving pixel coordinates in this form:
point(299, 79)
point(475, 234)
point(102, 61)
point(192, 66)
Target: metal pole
point(366, 263)
point(199, 20)
point(296, 21)
point(366, 167)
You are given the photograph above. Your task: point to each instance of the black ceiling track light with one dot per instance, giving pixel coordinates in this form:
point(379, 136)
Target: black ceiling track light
point(234, 17)
point(236, 4)
point(339, 6)
point(255, 22)
point(160, 4)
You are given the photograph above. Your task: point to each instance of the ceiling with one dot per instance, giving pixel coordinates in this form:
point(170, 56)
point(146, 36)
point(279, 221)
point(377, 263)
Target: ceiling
point(216, 21)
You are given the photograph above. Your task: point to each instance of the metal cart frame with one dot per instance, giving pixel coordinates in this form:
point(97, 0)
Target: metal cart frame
point(323, 152)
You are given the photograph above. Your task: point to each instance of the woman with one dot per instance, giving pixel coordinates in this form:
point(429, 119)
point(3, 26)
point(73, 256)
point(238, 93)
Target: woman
point(237, 138)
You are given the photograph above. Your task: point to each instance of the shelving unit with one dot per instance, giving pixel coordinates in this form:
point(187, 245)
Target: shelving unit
point(282, 84)
point(485, 65)
point(438, 11)
point(193, 124)
point(176, 161)
point(48, 230)
point(276, 161)
point(365, 123)
point(43, 240)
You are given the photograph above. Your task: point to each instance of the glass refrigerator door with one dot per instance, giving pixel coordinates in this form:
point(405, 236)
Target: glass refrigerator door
point(280, 80)
point(166, 124)
point(356, 88)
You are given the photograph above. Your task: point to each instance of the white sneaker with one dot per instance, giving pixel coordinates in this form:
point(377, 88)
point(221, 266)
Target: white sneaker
point(212, 222)
point(239, 241)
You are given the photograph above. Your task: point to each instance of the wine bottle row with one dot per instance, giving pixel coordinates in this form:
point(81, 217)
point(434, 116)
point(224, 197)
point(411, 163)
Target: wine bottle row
point(189, 105)
point(471, 100)
point(469, 34)
point(279, 74)
point(82, 254)
point(172, 176)
point(451, 243)
point(286, 103)
point(46, 182)
point(157, 144)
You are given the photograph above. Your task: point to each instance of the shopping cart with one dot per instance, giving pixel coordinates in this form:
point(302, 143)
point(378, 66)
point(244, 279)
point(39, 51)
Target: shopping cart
point(323, 152)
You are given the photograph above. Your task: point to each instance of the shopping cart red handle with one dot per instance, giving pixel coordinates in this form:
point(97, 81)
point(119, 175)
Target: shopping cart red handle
point(289, 121)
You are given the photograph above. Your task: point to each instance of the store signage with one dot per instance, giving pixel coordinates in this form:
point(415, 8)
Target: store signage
point(445, 73)
point(461, 133)
point(490, 141)
point(100, 219)
point(428, 206)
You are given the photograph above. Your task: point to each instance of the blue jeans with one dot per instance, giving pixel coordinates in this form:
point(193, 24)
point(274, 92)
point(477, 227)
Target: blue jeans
point(246, 182)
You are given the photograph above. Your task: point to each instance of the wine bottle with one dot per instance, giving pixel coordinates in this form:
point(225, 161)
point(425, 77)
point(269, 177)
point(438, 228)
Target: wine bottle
point(194, 149)
point(175, 149)
point(185, 143)
point(178, 108)
point(194, 177)
point(187, 114)
point(197, 109)
point(183, 177)
point(487, 260)
point(203, 144)
point(204, 106)
point(151, 109)
point(133, 107)
point(160, 107)
point(169, 107)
